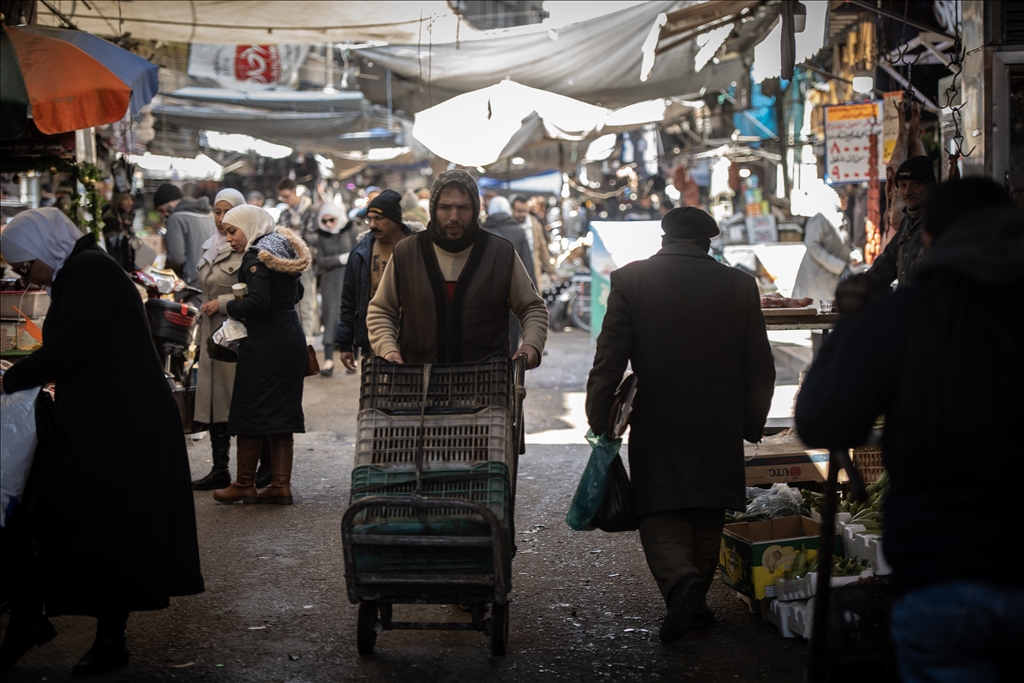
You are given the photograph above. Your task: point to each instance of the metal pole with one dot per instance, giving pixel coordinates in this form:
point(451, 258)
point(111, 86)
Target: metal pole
point(818, 656)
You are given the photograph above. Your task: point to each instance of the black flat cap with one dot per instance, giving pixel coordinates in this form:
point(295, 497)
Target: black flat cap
point(688, 223)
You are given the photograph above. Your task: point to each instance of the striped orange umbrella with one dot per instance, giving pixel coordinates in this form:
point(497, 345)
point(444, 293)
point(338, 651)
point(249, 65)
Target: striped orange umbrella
point(66, 87)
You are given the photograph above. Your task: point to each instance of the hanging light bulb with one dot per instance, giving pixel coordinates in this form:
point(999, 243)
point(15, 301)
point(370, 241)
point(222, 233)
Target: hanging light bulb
point(863, 81)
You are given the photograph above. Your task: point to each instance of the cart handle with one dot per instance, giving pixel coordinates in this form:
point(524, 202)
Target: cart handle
point(498, 534)
point(520, 389)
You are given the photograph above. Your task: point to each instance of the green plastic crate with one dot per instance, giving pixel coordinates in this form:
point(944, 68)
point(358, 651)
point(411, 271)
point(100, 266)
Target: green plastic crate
point(492, 490)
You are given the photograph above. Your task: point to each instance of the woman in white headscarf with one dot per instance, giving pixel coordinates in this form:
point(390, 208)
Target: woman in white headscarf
point(110, 509)
point(335, 238)
point(267, 395)
point(218, 271)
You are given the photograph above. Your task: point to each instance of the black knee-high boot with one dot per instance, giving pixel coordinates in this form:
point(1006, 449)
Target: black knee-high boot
point(220, 476)
point(109, 651)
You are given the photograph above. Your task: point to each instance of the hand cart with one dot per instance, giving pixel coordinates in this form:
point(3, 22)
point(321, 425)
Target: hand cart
point(433, 494)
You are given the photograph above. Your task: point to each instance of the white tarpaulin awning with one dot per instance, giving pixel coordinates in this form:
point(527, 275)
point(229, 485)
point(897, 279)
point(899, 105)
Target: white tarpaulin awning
point(488, 125)
point(266, 23)
point(596, 61)
point(176, 168)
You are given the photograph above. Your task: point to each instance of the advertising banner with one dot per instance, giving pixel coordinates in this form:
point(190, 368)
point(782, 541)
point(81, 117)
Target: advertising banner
point(248, 67)
point(848, 129)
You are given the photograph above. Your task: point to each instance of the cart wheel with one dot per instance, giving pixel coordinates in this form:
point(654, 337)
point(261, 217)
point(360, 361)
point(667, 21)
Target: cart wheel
point(385, 616)
point(499, 629)
point(366, 633)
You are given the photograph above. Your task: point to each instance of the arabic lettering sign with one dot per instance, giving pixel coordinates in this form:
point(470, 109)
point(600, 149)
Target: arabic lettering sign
point(848, 131)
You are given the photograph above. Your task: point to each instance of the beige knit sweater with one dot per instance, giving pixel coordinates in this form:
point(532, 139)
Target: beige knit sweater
point(384, 312)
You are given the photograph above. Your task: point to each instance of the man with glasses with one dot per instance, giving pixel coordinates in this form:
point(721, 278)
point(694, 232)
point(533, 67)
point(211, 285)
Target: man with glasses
point(300, 215)
point(364, 271)
point(189, 223)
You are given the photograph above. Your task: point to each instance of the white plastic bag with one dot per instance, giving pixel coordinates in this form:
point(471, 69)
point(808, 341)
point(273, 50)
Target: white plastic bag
point(17, 446)
point(230, 334)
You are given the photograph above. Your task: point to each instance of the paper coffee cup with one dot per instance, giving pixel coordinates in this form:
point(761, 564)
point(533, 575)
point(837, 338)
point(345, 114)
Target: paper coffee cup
point(239, 289)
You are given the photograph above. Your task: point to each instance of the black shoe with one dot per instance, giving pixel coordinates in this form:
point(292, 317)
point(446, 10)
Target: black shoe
point(20, 638)
point(327, 372)
point(263, 478)
point(106, 654)
point(680, 612)
point(216, 479)
point(675, 626)
point(705, 618)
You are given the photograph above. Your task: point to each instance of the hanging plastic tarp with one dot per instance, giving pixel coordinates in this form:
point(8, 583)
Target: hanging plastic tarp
point(545, 183)
point(573, 61)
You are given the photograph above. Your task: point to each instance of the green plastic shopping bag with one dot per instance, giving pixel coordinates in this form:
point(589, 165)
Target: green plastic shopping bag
point(594, 482)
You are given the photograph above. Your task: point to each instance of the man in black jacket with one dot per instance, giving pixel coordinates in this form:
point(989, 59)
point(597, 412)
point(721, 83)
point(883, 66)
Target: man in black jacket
point(943, 360)
point(365, 268)
point(902, 256)
point(693, 330)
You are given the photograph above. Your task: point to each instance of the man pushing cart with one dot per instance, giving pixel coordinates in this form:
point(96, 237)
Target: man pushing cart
point(433, 491)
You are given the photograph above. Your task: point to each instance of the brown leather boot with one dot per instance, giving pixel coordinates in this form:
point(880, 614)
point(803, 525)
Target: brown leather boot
point(247, 454)
point(280, 490)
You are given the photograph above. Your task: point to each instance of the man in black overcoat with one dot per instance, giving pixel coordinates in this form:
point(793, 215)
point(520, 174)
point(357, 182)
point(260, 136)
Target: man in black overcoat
point(693, 331)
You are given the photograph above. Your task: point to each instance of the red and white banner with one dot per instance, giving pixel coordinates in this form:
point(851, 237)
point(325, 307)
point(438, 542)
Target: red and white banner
point(248, 67)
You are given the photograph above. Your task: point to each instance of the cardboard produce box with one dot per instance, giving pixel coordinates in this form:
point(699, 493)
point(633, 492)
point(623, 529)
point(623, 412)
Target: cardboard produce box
point(754, 554)
point(769, 463)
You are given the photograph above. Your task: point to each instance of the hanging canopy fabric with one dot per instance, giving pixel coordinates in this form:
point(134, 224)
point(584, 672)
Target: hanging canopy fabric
point(66, 88)
point(578, 61)
point(266, 23)
point(489, 125)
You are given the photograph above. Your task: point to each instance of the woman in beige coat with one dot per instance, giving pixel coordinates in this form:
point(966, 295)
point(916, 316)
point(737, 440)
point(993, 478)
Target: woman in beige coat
point(218, 271)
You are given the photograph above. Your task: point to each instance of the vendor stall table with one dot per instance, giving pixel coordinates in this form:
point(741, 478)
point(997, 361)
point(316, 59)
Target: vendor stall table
point(821, 321)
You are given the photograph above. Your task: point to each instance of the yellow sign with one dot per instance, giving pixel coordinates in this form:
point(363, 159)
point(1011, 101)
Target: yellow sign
point(851, 112)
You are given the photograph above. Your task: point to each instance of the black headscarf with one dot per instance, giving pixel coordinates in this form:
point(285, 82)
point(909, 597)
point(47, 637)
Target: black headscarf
point(462, 180)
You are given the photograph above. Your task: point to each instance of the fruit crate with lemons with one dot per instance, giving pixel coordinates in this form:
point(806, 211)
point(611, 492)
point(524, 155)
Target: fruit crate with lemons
point(755, 554)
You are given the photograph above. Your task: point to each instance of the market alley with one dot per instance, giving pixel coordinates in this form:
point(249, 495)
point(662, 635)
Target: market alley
point(584, 604)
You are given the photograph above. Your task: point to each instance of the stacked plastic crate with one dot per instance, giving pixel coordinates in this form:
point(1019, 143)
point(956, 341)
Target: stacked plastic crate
point(463, 425)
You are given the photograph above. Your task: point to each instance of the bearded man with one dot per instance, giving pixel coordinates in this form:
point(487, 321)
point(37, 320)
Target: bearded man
point(446, 293)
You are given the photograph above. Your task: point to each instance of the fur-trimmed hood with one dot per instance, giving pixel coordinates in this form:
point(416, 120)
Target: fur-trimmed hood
point(289, 255)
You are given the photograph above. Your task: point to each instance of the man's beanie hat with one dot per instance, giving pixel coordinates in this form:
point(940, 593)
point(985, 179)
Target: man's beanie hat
point(387, 204)
point(166, 193)
point(688, 223)
point(917, 168)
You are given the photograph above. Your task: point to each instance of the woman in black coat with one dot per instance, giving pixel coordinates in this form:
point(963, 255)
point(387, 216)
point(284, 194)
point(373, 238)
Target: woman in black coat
point(267, 395)
point(111, 507)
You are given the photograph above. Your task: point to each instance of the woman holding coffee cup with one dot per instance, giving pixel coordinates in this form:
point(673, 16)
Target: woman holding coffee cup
point(267, 396)
point(218, 273)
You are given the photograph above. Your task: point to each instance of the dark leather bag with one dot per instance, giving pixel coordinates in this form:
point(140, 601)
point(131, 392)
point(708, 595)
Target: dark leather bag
point(312, 365)
point(618, 512)
point(218, 352)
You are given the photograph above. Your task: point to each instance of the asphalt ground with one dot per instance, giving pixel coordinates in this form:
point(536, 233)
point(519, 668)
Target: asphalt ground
point(584, 606)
